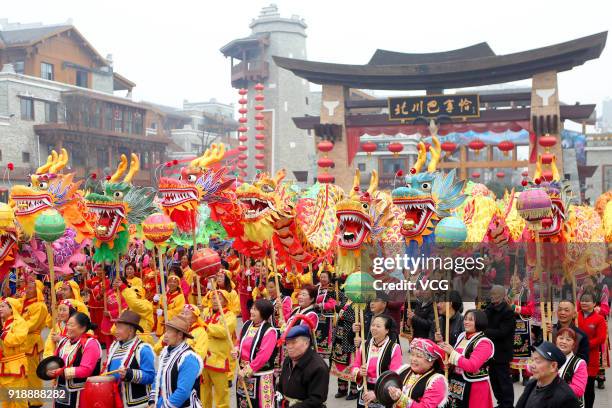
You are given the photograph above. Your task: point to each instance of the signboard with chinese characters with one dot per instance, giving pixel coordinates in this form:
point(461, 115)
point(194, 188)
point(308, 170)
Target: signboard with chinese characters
point(432, 106)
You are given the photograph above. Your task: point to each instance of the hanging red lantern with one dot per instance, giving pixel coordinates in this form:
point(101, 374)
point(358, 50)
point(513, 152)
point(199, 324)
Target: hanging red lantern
point(259, 116)
point(259, 107)
point(477, 145)
point(547, 175)
point(243, 138)
point(448, 147)
point(325, 162)
point(260, 156)
point(500, 174)
point(259, 98)
point(243, 91)
point(475, 175)
point(260, 136)
point(369, 147)
point(325, 146)
point(243, 111)
point(326, 178)
point(395, 148)
point(547, 141)
point(242, 129)
point(242, 156)
point(525, 173)
point(242, 148)
point(547, 158)
point(506, 146)
point(259, 86)
point(242, 101)
point(260, 166)
point(242, 165)
point(259, 127)
point(260, 146)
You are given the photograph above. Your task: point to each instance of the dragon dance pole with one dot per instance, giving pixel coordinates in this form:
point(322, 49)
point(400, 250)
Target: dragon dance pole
point(197, 278)
point(163, 282)
point(117, 276)
point(278, 292)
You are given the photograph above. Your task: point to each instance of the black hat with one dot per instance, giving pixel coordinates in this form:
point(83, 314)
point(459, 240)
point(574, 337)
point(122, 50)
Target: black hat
point(49, 363)
point(381, 296)
point(551, 352)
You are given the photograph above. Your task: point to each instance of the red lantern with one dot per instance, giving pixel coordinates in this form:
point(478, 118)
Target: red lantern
point(243, 173)
point(260, 146)
point(547, 141)
point(525, 173)
point(259, 86)
point(547, 158)
point(477, 145)
point(259, 107)
point(243, 111)
point(448, 147)
point(325, 162)
point(242, 156)
point(369, 147)
point(547, 175)
point(395, 148)
point(243, 91)
point(242, 129)
point(260, 166)
point(242, 165)
point(325, 146)
point(326, 178)
point(259, 127)
point(242, 119)
point(242, 148)
point(500, 174)
point(505, 146)
point(242, 101)
point(260, 136)
point(206, 262)
point(259, 116)
point(260, 156)
point(259, 98)
point(243, 138)
point(475, 174)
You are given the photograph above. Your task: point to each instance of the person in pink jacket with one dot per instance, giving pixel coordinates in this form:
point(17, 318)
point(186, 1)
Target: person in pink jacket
point(423, 384)
point(468, 375)
point(574, 371)
point(381, 354)
point(325, 305)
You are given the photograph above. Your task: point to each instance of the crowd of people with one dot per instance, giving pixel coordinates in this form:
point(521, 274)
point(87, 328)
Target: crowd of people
point(279, 338)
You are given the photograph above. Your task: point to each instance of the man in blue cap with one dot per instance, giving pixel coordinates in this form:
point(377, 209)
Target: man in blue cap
point(304, 377)
point(546, 389)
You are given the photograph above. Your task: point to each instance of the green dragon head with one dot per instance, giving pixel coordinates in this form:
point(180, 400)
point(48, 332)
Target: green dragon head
point(120, 205)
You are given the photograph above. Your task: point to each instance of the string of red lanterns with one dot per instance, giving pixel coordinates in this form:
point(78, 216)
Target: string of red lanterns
point(242, 134)
point(259, 126)
point(325, 162)
point(506, 146)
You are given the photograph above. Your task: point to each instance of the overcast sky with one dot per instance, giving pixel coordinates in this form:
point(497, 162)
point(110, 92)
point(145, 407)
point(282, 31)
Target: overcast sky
point(170, 49)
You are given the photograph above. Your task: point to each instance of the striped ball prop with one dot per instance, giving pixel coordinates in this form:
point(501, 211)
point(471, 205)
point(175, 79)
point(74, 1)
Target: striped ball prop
point(206, 262)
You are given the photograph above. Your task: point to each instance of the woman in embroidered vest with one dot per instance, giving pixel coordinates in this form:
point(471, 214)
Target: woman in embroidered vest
point(283, 303)
point(176, 301)
point(34, 312)
point(468, 375)
point(177, 381)
point(81, 354)
point(135, 361)
point(218, 359)
point(306, 300)
point(343, 350)
point(574, 371)
point(13, 362)
point(523, 308)
point(382, 354)
point(424, 385)
point(255, 351)
point(324, 305)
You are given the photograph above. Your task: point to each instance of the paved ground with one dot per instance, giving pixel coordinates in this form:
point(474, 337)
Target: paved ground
point(602, 397)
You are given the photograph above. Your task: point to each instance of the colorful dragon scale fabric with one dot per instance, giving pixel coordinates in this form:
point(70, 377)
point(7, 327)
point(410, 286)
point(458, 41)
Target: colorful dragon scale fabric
point(8, 239)
point(51, 189)
point(120, 205)
point(426, 198)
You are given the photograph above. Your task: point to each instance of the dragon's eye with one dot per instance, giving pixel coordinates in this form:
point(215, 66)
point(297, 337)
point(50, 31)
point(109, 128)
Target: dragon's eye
point(43, 185)
point(30, 185)
point(425, 186)
point(118, 194)
point(191, 178)
point(266, 188)
point(365, 206)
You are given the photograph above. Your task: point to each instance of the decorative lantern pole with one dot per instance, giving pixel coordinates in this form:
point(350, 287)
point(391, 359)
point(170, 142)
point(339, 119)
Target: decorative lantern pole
point(325, 162)
point(242, 130)
point(259, 126)
point(49, 227)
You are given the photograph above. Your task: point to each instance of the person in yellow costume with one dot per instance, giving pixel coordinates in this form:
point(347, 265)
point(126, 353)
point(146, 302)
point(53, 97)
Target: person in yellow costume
point(135, 298)
point(176, 301)
point(65, 309)
point(298, 281)
point(225, 283)
point(34, 312)
point(130, 274)
point(199, 343)
point(217, 365)
point(188, 276)
point(13, 361)
point(70, 290)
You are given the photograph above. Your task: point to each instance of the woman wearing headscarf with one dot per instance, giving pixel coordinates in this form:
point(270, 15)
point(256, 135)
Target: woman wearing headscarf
point(81, 353)
point(65, 309)
point(13, 362)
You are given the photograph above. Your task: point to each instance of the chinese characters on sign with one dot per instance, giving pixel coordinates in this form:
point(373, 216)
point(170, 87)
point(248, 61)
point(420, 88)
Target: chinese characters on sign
point(430, 106)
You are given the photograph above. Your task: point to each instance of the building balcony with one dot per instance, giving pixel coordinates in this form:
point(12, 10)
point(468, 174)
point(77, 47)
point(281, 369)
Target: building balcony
point(246, 71)
point(62, 129)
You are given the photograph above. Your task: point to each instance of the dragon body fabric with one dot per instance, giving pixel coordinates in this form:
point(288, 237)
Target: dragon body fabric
point(366, 219)
point(426, 198)
point(8, 239)
point(120, 205)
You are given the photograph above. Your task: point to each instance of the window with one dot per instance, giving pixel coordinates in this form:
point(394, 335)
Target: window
point(102, 158)
point(19, 66)
point(361, 166)
point(81, 79)
point(27, 109)
point(25, 157)
point(195, 147)
point(108, 118)
point(117, 115)
point(96, 115)
point(128, 122)
point(391, 166)
point(137, 123)
point(46, 71)
point(50, 112)
point(85, 117)
point(607, 178)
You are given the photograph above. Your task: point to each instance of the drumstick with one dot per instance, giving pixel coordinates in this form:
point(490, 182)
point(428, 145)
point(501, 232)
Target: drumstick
point(111, 372)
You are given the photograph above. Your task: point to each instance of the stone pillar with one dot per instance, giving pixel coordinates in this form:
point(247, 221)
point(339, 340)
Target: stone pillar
point(333, 112)
point(545, 114)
